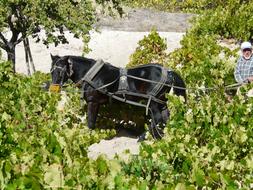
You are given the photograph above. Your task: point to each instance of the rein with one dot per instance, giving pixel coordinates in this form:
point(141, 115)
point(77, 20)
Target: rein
point(99, 64)
point(122, 92)
point(159, 84)
point(228, 87)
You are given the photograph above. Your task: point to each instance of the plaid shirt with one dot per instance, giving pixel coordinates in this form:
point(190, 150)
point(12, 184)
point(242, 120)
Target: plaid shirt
point(244, 69)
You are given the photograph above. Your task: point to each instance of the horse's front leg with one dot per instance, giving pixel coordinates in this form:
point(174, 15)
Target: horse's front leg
point(93, 108)
point(159, 114)
point(165, 115)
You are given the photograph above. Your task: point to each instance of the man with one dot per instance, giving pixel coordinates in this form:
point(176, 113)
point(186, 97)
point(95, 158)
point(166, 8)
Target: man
point(244, 68)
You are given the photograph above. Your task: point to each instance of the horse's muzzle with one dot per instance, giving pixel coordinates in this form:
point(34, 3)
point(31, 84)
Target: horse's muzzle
point(55, 88)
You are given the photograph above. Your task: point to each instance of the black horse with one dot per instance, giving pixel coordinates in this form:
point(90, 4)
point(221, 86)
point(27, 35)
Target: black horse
point(144, 86)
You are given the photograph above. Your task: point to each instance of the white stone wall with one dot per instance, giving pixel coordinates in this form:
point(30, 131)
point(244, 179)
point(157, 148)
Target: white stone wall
point(114, 47)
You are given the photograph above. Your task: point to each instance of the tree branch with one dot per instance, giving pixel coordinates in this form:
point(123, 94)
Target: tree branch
point(3, 46)
point(10, 23)
point(3, 38)
point(14, 31)
point(20, 40)
point(21, 27)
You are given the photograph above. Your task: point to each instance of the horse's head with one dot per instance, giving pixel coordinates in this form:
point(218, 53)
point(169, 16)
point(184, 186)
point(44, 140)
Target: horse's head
point(61, 71)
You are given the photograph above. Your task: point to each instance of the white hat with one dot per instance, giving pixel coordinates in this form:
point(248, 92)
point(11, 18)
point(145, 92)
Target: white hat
point(246, 45)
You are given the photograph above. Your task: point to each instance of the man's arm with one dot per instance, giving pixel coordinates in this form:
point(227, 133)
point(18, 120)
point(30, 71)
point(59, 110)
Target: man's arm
point(237, 73)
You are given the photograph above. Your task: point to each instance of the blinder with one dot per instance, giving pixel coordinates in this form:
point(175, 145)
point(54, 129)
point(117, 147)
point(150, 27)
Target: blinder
point(55, 88)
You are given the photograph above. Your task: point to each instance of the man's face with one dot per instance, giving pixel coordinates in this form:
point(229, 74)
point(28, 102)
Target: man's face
point(247, 53)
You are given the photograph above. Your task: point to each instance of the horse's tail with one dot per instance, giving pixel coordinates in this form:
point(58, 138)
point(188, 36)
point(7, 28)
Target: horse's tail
point(179, 87)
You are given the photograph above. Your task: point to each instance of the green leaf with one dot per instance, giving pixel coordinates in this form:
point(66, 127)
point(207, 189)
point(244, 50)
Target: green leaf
point(102, 165)
point(199, 177)
point(5, 117)
point(53, 176)
point(180, 186)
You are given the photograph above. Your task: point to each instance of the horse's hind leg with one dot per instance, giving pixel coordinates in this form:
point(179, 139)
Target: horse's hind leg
point(93, 108)
point(158, 117)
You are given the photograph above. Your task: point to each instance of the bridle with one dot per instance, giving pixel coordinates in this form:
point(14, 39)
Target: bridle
point(63, 71)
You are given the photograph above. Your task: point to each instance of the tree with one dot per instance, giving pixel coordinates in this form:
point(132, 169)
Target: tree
point(151, 49)
point(25, 18)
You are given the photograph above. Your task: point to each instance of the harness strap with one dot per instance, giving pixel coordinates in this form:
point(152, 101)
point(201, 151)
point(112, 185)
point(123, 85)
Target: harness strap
point(139, 95)
point(123, 84)
point(147, 106)
point(160, 84)
point(93, 71)
point(148, 97)
point(129, 101)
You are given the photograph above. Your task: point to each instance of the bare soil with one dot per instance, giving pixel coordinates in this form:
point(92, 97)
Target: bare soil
point(142, 20)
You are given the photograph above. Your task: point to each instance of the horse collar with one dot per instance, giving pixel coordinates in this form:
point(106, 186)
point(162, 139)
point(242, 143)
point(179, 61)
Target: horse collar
point(91, 73)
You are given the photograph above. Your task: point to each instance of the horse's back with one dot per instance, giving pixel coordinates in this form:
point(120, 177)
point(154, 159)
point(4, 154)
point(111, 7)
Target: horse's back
point(145, 78)
point(148, 71)
point(81, 59)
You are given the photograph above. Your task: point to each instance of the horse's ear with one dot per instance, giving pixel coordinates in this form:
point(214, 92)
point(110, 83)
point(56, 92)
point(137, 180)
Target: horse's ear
point(54, 58)
point(70, 67)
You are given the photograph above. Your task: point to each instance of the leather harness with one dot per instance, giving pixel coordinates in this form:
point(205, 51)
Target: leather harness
point(123, 89)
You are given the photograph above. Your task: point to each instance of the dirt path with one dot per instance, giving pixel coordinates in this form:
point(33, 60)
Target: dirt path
point(143, 20)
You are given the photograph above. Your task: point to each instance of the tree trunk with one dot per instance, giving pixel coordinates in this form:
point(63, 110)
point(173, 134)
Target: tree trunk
point(30, 56)
point(26, 57)
point(12, 56)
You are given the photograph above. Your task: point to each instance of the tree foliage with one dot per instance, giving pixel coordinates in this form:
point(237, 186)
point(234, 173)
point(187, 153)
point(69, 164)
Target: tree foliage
point(29, 17)
point(151, 49)
point(196, 6)
point(231, 21)
point(41, 147)
point(203, 62)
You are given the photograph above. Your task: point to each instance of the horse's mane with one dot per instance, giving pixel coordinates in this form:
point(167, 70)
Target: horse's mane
point(80, 58)
point(90, 60)
point(85, 59)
